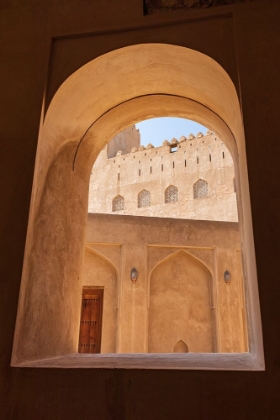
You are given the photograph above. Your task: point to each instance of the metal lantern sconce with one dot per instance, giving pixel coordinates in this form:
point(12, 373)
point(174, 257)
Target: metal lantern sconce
point(227, 277)
point(133, 275)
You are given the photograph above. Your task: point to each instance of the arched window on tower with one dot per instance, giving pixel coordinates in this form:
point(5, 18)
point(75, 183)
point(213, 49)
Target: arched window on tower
point(200, 189)
point(118, 203)
point(171, 194)
point(144, 198)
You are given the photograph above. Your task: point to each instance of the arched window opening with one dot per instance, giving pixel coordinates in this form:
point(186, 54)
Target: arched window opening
point(200, 189)
point(118, 203)
point(63, 260)
point(171, 194)
point(144, 199)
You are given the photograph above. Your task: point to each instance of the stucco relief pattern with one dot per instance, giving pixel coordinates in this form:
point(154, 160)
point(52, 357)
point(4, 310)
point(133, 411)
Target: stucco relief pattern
point(152, 6)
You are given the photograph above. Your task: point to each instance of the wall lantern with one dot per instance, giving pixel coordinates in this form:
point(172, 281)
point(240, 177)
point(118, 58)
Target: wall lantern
point(133, 275)
point(227, 276)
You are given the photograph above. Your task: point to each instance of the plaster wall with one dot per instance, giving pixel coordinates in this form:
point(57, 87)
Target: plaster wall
point(156, 168)
point(180, 293)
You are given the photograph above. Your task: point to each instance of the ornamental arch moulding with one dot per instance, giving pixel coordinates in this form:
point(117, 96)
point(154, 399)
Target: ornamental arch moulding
point(90, 107)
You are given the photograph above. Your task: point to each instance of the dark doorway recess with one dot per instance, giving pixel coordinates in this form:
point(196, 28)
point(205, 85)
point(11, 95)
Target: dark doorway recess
point(91, 320)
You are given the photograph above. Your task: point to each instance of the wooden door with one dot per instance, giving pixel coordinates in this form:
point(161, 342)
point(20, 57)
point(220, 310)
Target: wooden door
point(91, 321)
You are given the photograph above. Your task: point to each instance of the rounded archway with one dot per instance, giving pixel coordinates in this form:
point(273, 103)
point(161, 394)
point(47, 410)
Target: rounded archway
point(95, 103)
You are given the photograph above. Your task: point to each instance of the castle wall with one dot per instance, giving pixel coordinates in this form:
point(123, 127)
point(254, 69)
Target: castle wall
point(155, 169)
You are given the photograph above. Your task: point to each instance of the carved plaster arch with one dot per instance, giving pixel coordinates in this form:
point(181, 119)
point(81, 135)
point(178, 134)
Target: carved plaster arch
point(89, 249)
point(196, 259)
point(98, 254)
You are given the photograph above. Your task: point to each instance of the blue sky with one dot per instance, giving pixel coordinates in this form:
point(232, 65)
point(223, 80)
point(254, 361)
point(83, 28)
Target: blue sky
point(156, 130)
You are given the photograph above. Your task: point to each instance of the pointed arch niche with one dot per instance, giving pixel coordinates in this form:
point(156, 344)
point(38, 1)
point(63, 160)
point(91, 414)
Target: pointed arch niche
point(96, 102)
point(180, 305)
point(99, 272)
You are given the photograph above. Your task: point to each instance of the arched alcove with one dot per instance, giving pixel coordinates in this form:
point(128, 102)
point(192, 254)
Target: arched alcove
point(96, 102)
point(171, 194)
point(180, 347)
point(118, 203)
point(180, 305)
point(144, 198)
point(99, 272)
point(200, 189)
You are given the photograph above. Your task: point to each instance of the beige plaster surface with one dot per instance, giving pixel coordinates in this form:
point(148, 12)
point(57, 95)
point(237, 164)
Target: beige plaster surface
point(123, 142)
point(180, 293)
point(159, 168)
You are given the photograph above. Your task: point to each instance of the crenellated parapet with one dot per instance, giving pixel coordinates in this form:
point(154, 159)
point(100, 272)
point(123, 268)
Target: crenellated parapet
point(167, 144)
